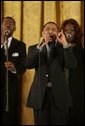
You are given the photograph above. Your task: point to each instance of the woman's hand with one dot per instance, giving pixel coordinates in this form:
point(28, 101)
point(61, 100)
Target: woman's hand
point(61, 38)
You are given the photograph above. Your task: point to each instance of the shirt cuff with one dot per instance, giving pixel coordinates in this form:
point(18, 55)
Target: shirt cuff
point(13, 70)
point(39, 48)
point(67, 45)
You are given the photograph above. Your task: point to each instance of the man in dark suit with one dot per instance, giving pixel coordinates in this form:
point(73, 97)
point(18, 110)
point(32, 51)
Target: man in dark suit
point(13, 54)
point(49, 95)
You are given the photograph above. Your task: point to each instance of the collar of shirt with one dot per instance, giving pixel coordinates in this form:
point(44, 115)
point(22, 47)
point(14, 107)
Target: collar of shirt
point(9, 42)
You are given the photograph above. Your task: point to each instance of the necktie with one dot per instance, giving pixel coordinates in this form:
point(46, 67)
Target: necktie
point(48, 50)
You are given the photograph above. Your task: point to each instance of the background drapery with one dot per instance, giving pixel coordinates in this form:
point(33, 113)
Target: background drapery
point(30, 17)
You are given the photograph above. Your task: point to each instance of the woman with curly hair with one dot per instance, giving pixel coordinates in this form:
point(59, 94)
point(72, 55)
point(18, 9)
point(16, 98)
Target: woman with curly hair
point(75, 76)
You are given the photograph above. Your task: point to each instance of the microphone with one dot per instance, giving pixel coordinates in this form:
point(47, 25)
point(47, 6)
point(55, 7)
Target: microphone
point(53, 37)
point(68, 37)
point(7, 32)
point(41, 41)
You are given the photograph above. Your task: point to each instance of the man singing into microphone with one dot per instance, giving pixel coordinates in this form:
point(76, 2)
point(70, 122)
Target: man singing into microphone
point(49, 95)
point(13, 53)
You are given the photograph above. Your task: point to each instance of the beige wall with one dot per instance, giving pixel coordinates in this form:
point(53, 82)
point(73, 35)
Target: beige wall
point(30, 17)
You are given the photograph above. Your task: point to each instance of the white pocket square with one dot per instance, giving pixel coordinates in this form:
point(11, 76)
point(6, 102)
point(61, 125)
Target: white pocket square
point(15, 54)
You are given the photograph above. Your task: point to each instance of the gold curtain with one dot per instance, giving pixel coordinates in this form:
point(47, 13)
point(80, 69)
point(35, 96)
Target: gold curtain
point(30, 17)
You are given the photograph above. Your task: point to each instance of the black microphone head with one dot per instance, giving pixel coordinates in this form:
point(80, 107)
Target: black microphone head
point(53, 37)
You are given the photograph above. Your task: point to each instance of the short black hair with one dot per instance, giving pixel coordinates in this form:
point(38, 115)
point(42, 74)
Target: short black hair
point(10, 18)
point(50, 23)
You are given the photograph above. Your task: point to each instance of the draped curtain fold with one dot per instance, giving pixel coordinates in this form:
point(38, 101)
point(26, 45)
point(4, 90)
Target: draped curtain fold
point(30, 17)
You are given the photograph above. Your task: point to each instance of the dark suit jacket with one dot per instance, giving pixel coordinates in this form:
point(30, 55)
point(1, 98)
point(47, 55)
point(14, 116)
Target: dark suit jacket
point(60, 58)
point(17, 55)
